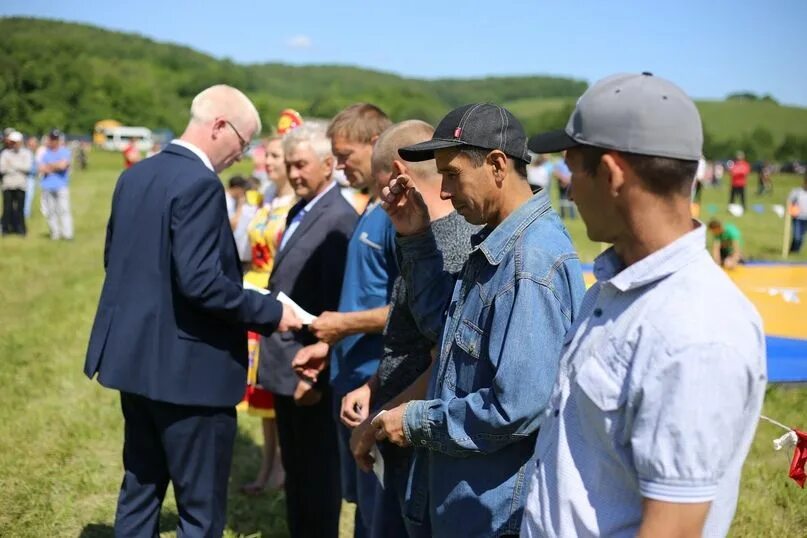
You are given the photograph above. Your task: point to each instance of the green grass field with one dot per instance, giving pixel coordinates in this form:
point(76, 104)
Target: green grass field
point(61, 435)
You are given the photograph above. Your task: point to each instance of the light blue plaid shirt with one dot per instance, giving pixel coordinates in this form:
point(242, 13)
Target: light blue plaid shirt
point(661, 382)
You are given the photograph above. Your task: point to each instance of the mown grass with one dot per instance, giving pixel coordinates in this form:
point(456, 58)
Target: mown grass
point(61, 435)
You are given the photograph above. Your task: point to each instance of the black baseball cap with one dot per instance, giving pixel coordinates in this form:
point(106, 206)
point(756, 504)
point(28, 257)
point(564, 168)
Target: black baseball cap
point(481, 125)
point(54, 134)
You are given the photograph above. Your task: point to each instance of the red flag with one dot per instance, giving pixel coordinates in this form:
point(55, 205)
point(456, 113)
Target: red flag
point(797, 472)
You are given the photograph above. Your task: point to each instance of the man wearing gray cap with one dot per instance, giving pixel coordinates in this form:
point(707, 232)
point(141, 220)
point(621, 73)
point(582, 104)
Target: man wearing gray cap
point(499, 325)
point(662, 375)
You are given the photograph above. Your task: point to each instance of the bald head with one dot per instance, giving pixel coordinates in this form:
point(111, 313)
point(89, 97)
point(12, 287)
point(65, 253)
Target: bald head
point(400, 135)
point(223, 122)
point(228, 102)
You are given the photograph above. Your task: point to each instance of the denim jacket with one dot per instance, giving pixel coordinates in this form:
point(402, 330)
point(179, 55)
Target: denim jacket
point(502, 329)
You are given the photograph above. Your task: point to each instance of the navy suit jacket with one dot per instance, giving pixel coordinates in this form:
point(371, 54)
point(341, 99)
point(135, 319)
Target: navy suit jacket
point(172, 318)
point(309, 269)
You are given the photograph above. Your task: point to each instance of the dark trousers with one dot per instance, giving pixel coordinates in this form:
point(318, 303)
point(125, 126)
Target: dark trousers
point(737, 192)
point(307, 438)
point(13, 206)
point(390, 506)
point(799, 229)
point(190, 446)
point(357, 486)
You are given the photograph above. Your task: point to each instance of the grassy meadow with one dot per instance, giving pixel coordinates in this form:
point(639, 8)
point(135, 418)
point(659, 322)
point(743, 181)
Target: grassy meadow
point(61, 434)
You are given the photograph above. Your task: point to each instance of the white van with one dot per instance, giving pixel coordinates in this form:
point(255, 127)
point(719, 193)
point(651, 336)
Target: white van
point(117, 138)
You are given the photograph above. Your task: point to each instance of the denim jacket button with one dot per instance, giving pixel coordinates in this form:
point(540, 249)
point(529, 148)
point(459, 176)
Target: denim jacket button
point(557, 412)
point(597, 312)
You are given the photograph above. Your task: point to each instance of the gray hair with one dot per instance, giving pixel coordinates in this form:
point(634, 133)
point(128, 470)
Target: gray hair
point(311, 133)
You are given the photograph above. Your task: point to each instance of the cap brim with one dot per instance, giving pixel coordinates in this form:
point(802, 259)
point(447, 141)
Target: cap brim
point(425, 150)
point(551, 142)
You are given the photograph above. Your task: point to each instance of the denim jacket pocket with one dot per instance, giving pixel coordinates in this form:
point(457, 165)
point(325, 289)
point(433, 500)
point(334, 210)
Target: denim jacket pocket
point(465, 360)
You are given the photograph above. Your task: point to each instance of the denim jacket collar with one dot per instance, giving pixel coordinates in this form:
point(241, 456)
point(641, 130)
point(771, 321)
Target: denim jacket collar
point(664, 262)
point(495, 243)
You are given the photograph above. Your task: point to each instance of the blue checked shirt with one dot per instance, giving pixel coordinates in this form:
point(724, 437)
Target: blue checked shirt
point(661, 382)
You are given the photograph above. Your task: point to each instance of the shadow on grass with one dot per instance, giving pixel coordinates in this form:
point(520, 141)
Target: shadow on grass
point(247, 515)
point(168, 523)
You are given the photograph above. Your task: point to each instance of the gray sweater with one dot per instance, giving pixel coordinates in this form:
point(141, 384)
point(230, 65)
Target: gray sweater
point(15, 165)
point(407, 353)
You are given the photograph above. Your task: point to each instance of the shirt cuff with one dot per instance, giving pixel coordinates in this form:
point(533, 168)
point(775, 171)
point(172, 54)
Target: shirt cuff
point(416, 422)
point(415, 247)
point(678, 493)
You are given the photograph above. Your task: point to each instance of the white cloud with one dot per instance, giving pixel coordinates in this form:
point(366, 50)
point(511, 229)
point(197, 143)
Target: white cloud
point(300, 42)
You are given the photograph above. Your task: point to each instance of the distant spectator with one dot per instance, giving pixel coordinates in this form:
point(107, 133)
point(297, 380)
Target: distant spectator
point(81, 155)
point(15, 165)
point(700, 179)
point(797, 206)
point(131, 153)
point(718, 171)
point(258, 155)
point(154, 150)
point(726, 242)
point(538, 173)
point(33, 174)
point(739, 178)
point(561, 172)
point(241, 214)
point(764, 182)
point(55, 169)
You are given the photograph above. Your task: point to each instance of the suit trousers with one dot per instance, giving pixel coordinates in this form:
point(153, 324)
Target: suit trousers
point(307, 436)
point(190, 446)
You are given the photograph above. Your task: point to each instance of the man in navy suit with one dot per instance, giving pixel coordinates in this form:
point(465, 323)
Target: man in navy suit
point(170, 331)
point(309, 267)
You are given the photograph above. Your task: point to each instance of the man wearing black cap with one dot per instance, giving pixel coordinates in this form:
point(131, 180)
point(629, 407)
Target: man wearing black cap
point(663, 373)
point(501, 321)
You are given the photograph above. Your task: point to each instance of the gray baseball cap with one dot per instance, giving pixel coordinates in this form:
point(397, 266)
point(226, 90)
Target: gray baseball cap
point(641, 114)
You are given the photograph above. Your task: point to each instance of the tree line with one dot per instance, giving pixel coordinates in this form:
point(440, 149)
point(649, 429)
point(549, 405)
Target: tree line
point(67, 75)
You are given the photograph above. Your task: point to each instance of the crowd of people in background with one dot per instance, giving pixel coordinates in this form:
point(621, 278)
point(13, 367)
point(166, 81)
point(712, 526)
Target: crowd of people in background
point(23, 164)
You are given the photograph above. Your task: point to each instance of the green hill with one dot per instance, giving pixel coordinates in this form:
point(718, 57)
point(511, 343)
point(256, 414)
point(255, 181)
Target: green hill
point(81, 74)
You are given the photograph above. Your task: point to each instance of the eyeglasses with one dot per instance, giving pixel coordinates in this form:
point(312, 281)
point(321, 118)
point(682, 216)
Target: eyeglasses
point(244, 143)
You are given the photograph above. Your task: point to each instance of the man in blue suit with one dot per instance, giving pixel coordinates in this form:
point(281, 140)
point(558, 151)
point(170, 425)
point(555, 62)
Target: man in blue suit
point(170, 331)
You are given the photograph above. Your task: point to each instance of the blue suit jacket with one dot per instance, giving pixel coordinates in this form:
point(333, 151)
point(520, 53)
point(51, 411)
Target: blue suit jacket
point(172, 318)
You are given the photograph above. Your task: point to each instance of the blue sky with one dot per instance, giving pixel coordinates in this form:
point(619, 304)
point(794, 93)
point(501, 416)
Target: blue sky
point(710, 48)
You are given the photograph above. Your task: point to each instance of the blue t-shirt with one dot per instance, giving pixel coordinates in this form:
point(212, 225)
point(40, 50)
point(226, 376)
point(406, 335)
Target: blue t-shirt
point(370, 272)
point(55, 180)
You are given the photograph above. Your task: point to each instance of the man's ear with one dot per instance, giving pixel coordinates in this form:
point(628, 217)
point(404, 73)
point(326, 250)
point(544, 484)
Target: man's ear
point(615, 166)
point(328, 162)
point(399, 168)
point(497, 160)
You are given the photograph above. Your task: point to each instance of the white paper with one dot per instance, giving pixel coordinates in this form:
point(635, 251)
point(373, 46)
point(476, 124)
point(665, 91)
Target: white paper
point(304, 316)
point(378, 464)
